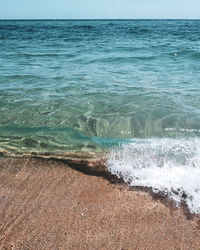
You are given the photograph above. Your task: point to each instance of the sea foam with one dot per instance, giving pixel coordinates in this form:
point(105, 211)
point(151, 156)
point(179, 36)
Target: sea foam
point(171, 166)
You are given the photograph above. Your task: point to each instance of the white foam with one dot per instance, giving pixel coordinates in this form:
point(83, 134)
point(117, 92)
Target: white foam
point(171, 166)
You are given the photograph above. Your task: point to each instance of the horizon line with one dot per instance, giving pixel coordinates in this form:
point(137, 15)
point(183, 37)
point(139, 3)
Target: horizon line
point(87, 19)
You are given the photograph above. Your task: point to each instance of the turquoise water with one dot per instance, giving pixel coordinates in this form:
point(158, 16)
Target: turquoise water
point(91, 85)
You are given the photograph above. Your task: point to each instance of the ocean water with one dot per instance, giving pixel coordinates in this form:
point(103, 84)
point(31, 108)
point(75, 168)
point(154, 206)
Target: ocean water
point(128, 88)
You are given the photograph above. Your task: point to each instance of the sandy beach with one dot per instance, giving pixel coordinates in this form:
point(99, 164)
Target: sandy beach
point(50, 204)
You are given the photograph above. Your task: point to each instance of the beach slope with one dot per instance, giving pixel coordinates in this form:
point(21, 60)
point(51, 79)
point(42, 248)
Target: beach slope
point(49, 204)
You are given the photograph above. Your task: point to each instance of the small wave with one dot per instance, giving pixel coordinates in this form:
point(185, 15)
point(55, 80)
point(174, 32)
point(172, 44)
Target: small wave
point(29, 55)
point(9, 27)
point(123, 59)
point(21, 77)
point(83, 26)
point(171, 166)
point(189, 53)
point(139, 30)
point(3, 37)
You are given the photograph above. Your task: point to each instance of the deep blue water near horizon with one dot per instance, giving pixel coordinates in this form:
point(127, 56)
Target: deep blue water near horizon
point(89, 85)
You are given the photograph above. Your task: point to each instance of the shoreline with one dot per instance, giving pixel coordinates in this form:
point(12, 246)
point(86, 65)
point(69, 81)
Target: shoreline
point(54, 204)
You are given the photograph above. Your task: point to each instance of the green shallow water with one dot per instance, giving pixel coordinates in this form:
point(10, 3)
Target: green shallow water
point(92, 85)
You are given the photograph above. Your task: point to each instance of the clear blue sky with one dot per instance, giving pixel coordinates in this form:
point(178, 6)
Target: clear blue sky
point(30, 9)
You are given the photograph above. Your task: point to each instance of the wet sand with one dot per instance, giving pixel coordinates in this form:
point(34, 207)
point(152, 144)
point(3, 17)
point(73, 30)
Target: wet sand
point(53, 204)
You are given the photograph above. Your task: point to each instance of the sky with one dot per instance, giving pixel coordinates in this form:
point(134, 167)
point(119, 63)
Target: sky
point(99, 9)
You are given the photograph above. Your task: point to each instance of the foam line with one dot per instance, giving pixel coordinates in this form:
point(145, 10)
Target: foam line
point(171, 166)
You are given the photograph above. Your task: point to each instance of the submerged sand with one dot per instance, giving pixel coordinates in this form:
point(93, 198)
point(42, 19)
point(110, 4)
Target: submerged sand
point(54, 204)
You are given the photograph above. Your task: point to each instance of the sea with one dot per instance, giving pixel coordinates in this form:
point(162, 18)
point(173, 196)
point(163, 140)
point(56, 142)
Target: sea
point(127, 89)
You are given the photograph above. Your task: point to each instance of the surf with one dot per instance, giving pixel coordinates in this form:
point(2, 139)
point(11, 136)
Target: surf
point(170, 166)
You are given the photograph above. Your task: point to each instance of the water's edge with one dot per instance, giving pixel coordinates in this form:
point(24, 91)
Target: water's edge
point(92, 165)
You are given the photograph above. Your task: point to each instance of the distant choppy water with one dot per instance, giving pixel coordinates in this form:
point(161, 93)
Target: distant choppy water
point(92, 85)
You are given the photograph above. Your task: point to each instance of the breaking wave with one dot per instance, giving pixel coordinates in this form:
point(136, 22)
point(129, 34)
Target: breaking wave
point(170, 166)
